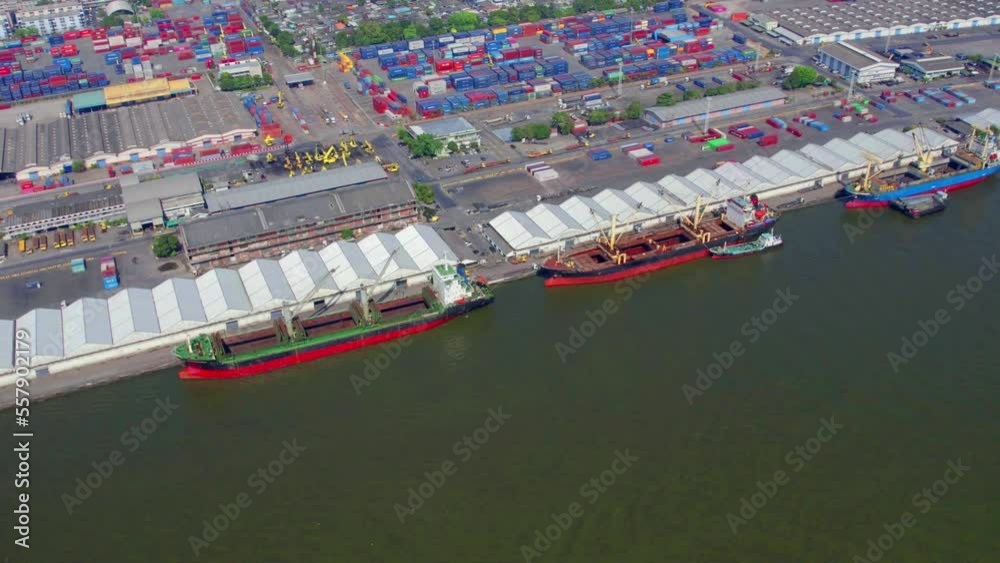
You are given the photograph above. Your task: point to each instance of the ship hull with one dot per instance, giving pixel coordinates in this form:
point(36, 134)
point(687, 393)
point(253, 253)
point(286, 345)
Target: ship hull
point(949, 184)
point(559, 278)
point(232, 369)
point(745, 254)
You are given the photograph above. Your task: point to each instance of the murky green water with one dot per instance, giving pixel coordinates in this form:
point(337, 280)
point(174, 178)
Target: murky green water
point(694, 453)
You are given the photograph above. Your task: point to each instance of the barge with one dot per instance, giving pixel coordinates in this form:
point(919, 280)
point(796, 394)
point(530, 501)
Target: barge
point(921, 205)
point(291, 340)
point(617, 256)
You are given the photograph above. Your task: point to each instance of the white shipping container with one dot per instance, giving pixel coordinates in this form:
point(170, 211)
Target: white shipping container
point(116, 40)
point(133, 41)
point(477, 39)
point(148, 74)
point(464, 41)
point(543, 88)
point(437, 88)
point(416, 44)
point(639, 153)
point(384, 51)
point(536, 170)
point(137, 70)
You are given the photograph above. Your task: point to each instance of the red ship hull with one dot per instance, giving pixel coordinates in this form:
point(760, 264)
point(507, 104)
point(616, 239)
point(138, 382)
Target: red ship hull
point(195, 372)
point(623, 274)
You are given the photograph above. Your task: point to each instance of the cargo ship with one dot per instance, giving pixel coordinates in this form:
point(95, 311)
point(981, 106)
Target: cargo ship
point(966, 167)
point(291, 340)
point(618, 256)
point(764, 242)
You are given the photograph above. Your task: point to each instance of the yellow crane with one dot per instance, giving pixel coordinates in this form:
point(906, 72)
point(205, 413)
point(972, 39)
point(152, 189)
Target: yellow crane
point(352, 143)
point(369, 148)
point(268, 141)
point(330, 156)
point(920, 143)
point(391, 167)
point(343, 156)
point(269, 158)
point(281, 100)
point(298, 161)
point(344, 147)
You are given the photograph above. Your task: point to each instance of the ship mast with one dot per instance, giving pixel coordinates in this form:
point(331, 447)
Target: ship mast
point(608, 241)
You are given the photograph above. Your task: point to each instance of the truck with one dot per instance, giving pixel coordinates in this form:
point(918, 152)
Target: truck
point(739, 38)
point(699, 83)
point(109, 272)
point(768, 140)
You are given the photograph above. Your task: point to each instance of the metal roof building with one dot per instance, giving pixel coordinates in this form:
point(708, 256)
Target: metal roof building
point(124, 134)
point(265, 285)
point(724, 105)
point(442, 128)
point(547, 227)
point(929, 68)
point(983, 119)
point(134, 317)
point(285, 188)
point(850, 60)
point(178, 305)
point(86, 326)
point(46, 328)
point(823, 22)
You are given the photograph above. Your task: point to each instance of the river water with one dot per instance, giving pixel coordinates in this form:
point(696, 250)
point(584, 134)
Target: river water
point(582, 413)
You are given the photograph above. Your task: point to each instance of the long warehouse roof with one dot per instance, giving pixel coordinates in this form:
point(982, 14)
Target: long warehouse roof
point(547, 223)
point(118, 131)
point(131, 315)
point(293, 187)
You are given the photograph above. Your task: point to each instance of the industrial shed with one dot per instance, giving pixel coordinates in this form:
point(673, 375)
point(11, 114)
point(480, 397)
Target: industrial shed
point(129, 133)
point(86, 326)
point(929, 68)
point(46, 328)
point(133, 315)
point(715, 106)
point(220, 299)
point(548, 227)
point(151, 203)
point(285, 188)
point(984, 119)
point(265, 285)
point(178, 305)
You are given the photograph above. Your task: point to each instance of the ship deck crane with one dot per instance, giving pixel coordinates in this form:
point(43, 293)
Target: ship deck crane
point(608, 242)
point(924, 157)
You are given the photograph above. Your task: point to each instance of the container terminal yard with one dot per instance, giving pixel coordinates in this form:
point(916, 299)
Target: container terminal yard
point(115, 135)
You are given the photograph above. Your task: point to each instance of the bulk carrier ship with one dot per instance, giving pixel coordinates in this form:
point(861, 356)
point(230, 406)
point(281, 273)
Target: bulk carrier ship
point(618, 256)
point(970, 165)
point(291, 340)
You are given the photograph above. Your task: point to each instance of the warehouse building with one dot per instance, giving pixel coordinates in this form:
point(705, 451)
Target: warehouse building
point(246, 67)
point(984, 119)
point(547, 228)
point(849, 60)
point(929, 68)
point(153, 203)
point(126, 134)
point(829, 22)
point(454, 129)
point(275, 227)
point(716, 106)
point(66, 211)
point(90, 331)
point(286, 188)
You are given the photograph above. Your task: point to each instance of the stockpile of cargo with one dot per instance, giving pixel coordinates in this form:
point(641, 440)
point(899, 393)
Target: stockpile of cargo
point(65, 75)
point(916, 97)
point(261, 113)
point(369, 83)
point(392, 103)
point(745, 131)
point(941, 97)
point(959, 94)
point(643, 156)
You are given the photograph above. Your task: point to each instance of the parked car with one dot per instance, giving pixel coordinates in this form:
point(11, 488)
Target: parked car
point(33, 285)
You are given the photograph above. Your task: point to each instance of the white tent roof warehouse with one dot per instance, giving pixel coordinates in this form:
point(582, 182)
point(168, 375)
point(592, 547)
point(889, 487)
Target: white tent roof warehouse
point(262, 286)
point(547, 226)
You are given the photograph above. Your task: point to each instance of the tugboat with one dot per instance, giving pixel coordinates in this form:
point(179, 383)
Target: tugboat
point(763, 243)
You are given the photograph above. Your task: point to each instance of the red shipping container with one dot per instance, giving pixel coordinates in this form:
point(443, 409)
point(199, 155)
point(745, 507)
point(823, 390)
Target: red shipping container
point(702, 31)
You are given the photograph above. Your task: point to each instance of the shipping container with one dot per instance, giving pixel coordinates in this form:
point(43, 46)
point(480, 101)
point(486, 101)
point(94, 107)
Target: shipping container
point(768, 140)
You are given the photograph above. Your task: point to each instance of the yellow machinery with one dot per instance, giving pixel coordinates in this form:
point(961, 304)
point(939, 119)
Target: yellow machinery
point(345, 63)
point(369, 148)
point(923, 153)
point(298, 161)
point(352, 143)
point(391, 167)
point(270, 158)
point(65, 194)
point(268, 141)
point(281, 100)
point(343, 156)
point(330, 156)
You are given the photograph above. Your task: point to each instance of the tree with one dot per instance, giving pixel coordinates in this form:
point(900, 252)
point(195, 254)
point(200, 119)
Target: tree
point(473, 145)
point(800, 77)
point(452, 147)
point(633, 111)
point(424, 145)
point(424, 192)
point(30, 31)
point(599, 117)
point(165, 246)
point(692, 95)
point(666, 99)
point(562, 122)
point(499, 17)
point(463, 21)
point(598, 81)
point(157, 13)
point(112, 21)
point(79, 166)
point(536, 131)
point(347, 234)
